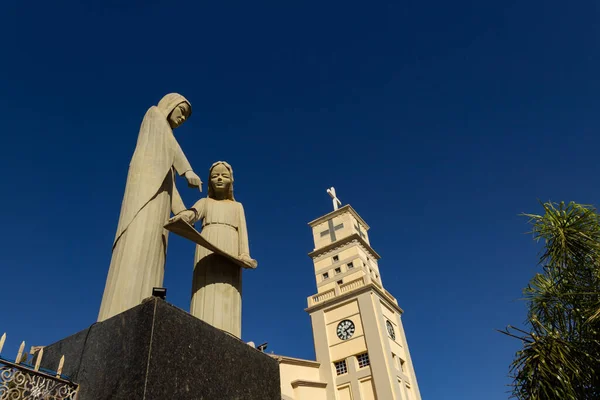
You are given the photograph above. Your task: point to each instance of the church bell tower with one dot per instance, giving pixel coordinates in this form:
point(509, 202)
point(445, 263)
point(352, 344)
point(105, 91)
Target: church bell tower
point(357, 325)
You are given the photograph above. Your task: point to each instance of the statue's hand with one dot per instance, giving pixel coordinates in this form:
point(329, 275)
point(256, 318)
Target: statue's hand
point(247, 259)
point(188, 216)
point(193, 179)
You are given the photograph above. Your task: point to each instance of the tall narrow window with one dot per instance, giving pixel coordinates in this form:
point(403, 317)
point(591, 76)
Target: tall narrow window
point(340, 367)
point(363, 360)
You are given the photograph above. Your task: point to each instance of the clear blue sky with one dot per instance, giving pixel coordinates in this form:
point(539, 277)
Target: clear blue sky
point(439, 122)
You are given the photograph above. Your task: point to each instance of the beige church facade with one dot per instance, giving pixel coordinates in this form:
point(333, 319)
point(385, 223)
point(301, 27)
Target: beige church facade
point(360, 345)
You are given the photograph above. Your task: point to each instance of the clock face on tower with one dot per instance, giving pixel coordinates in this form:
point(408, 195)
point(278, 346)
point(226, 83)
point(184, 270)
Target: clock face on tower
point(345, 329)
point(390, 329)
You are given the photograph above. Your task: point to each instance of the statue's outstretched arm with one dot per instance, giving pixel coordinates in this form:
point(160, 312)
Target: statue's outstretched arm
point(192, 214)
point(180, 161)
point(183, 167)
point(177, 204)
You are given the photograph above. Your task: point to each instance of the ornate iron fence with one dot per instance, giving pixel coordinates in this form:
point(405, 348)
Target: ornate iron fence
point(23, 380)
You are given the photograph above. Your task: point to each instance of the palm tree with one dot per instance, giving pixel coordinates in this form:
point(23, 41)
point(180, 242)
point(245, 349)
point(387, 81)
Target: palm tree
point(560, 358)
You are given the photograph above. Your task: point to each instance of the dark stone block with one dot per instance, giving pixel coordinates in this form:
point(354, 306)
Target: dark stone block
point(157, 351)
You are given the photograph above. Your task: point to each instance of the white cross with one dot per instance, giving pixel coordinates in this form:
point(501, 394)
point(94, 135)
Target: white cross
point(336, 201)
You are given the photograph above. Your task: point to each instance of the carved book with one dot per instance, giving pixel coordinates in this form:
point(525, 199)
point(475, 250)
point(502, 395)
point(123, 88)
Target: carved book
point(183, 229)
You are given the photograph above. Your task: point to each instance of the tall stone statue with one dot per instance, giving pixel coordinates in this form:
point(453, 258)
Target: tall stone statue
point(139, 249)
point(217, 279)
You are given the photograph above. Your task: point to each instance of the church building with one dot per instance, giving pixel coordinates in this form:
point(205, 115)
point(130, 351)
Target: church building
point(360, 345)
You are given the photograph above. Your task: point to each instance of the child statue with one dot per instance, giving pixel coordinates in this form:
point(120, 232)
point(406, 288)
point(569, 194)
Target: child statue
point(217, 280)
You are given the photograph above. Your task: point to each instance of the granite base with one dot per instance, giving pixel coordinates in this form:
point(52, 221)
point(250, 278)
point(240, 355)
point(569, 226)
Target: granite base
point(157, 351)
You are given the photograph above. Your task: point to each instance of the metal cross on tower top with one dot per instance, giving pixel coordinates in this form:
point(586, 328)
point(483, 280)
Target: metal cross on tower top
point(336, 201)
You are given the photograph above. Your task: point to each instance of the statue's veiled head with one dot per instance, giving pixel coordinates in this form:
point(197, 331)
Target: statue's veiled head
point(220, 181)
point(176, 109)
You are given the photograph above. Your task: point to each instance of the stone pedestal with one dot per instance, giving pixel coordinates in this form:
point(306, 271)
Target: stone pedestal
point(157, 351)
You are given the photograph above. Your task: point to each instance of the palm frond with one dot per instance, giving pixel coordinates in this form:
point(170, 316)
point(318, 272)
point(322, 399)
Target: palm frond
point(560, 358)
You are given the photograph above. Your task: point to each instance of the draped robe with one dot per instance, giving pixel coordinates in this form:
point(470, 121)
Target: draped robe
point(140, 245)
point(217, 282)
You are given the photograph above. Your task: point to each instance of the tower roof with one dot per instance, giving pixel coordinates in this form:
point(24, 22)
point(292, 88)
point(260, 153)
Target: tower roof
point(341, 210)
